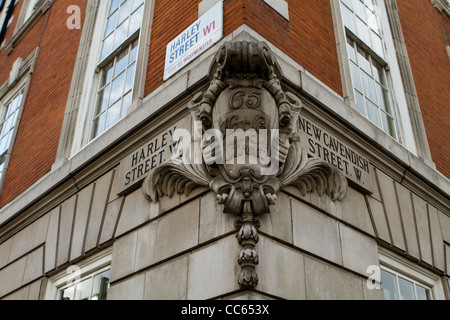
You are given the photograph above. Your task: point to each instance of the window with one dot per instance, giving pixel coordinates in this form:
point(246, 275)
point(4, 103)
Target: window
point(398, 287)
point(3, 8)
point(280, 6)
point(368, 64)
point(8, 117)
point(6, 11)
point(13, 94)
point(109, 73)
point(87, 280)
point(30, 7)
point(402, 279)
point(91, 287)
point(376, 73)
point(117, 63)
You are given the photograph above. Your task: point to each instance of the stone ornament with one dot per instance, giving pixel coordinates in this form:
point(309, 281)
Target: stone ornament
point(245, 95)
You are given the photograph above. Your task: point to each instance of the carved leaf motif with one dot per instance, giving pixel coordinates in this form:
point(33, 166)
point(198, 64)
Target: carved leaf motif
point(248, 277)
point(248, 232)
point(251, 70)
point(175, 176)
point(310, 175)
point(248, 256)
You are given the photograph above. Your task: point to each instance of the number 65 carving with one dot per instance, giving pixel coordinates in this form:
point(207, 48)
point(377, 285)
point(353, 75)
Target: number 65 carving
point(251, 99)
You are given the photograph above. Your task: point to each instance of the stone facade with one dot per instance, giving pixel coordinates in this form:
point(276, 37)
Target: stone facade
point(316, 240)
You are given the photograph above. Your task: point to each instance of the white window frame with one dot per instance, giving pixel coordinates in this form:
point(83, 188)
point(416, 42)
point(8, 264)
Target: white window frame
point(28, 7)
point(406, 135)
point(78, 272)
point(3, 17)
point(83, 92)
point(19, 79)
point(82, 135)
point(386, 88)
point(4, 102)
point(397, 275)
point(103, 62)
point(407, 269)
point(3, 12)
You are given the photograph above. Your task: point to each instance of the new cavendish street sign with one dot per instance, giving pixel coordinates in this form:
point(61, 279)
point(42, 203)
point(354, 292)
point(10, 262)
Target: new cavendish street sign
point(320, 143)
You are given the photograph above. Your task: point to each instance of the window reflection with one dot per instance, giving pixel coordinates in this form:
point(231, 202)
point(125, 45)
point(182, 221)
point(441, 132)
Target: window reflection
point(117, 64)
point(8, 118)
point(114, 95)
point(398, 287)
point(370, 88)
point(92, 287)
point(406, 289)
point(389, 286)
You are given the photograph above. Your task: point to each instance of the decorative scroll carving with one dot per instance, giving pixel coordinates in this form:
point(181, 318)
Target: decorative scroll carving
point(245, 94)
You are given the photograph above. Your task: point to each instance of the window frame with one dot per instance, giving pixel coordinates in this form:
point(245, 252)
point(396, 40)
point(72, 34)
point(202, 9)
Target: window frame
point(83, 92)
point(28, 9)
point(415, 283)
point(385, 83)
point(77, 273)
point(4, 8)
point(103, 85)
point(389, 63)
point(85, 277)
point(411, 131)
point(18, 89)
point(19, 79)
point(4, 19)
point(409, 270)
point(103, 62)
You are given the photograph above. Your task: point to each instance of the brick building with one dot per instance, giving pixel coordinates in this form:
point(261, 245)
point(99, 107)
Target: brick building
point(99, 97)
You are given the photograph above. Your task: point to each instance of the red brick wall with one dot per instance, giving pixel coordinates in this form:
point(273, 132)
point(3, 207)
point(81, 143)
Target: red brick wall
point(170, 19)
point(426, 36)
point(39, 129)
point(308, 37)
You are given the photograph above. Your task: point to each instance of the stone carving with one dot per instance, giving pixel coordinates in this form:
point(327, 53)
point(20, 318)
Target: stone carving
point(245, 96)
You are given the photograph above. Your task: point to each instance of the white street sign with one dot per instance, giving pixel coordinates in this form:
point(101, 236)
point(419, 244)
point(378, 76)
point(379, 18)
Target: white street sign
point(195, 40)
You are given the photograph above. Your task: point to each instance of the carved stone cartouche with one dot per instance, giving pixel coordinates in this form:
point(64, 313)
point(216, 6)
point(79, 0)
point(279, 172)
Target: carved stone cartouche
point(245, 96)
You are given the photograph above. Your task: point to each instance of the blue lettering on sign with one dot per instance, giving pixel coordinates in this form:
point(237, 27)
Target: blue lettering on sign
point(194, 40)
point(184, 41)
